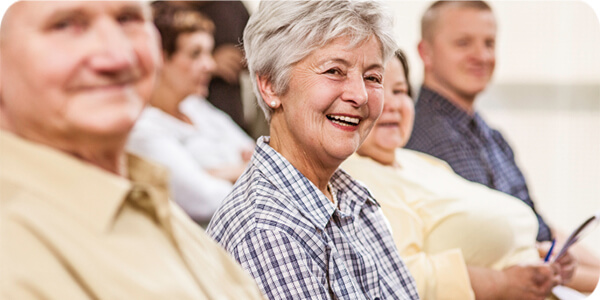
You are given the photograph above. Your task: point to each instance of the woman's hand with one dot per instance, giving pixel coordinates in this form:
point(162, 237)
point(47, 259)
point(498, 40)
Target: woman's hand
point(230, 62)
point(531, 282)
point(528, 282)
point(567, 263)
point(230, 172)
point(247, 154)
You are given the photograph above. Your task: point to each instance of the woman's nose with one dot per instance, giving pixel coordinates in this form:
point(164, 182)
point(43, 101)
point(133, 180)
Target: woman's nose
point(355, 90)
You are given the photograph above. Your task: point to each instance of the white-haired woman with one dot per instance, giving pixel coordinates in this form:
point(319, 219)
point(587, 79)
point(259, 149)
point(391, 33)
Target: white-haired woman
point(303, 228)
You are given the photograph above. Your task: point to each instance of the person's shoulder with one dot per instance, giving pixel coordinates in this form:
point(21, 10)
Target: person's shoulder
point(254, 204)
point(433, 131)
point(27, 228)
point(422, 159)
point(24, 202)
point(412, 155)
point(499, 138)
point(259, 205)
point(152, 121)
point(357, 164)
point(16, 200)
point(30, 263)
point(431, 121)
point(155, 125)
point(151, 114)
point(205, 113)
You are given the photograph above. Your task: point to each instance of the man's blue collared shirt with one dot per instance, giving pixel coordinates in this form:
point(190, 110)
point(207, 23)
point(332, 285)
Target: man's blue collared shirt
point(298, 245)
point(473, 149)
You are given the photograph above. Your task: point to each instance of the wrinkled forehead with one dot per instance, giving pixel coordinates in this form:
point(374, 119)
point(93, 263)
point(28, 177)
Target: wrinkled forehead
point(32, 13)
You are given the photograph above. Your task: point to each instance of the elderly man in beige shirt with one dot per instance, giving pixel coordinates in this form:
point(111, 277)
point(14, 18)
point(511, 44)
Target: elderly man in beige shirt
point(79, 218)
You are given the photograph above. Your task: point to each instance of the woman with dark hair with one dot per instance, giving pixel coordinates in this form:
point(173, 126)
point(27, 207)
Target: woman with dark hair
point(203, 148)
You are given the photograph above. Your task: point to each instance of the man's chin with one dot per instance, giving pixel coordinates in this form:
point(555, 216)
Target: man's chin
point(475, 90)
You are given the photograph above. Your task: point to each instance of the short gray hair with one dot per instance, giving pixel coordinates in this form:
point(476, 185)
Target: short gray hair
point(282, 33)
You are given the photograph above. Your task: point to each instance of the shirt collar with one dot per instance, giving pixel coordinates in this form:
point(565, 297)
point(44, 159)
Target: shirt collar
point(438, 102)
point(305, 196)
point(90, 194)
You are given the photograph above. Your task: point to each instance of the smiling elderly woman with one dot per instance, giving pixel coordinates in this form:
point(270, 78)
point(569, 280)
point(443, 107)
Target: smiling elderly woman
point(303, 228)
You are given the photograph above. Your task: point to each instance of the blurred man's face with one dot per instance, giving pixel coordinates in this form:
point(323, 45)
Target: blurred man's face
point(460, 55)
point(72, 70)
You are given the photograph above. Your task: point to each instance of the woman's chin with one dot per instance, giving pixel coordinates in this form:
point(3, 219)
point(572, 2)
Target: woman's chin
point(342, 152)
point(386, 141)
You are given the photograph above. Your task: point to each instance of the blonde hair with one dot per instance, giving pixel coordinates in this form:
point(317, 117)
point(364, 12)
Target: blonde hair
point(432, 14)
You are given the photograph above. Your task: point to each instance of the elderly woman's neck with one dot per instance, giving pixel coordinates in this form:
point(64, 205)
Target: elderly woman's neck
point(316, 172)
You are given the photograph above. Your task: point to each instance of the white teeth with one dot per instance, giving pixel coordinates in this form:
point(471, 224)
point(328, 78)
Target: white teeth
point(348, 120)
point(340, 123)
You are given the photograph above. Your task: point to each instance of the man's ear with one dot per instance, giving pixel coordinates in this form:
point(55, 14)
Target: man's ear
point(267, 91)
point(424, 48)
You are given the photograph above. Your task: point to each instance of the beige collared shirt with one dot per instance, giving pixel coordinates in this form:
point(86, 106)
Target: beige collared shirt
point(70, 230)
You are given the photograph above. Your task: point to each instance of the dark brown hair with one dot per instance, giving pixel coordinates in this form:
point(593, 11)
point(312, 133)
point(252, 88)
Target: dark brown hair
point(172, 20)
point(401, 56)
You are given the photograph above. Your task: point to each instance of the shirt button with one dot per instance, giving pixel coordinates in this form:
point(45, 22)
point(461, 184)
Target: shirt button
point(137, 193)
point(139, 196)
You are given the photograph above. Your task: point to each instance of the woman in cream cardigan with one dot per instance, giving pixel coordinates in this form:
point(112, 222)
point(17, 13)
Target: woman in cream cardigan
point(460, 240)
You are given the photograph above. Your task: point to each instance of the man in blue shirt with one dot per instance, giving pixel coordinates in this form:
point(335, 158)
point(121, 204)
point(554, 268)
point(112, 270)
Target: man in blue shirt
point(458, 53)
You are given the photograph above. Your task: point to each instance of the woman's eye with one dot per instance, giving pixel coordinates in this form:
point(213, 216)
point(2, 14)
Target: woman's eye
point(376, 79)
point(195, 54)
point(398, 92)
point(333, 71)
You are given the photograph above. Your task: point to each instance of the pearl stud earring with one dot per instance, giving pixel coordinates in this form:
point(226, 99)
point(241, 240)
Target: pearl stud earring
point(273, 103)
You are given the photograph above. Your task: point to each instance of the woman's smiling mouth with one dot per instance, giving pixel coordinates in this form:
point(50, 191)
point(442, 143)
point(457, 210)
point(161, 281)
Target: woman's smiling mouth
point(344, 120)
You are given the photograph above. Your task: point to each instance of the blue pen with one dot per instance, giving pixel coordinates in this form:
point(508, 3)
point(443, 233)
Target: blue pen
point(550, 251)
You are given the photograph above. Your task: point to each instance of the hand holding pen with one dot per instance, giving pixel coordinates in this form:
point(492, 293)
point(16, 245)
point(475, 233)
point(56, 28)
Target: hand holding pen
point(549, 254)
point(565, 262)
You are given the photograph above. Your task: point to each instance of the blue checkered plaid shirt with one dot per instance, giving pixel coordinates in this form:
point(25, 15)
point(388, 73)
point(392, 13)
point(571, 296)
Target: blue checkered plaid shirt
point(473, 150)
point(298, 245)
